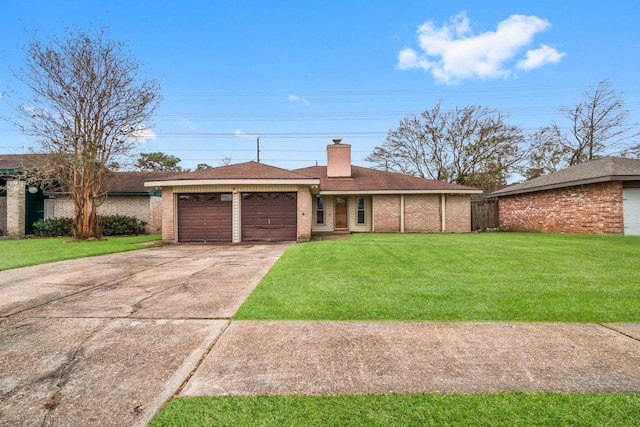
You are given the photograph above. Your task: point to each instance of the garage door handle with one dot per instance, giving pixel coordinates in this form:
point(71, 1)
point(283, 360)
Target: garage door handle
point(269, 221)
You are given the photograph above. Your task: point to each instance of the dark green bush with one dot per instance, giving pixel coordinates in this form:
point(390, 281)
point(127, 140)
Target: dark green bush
point(120, 225)
point(52, 227)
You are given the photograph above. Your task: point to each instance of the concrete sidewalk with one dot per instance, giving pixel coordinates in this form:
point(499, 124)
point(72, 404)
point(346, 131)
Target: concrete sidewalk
point(318, 358)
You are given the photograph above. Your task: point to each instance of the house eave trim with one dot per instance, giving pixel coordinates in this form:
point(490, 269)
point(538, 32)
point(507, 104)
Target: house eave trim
point(373, 192)
point(599, 180)
point(192, 182)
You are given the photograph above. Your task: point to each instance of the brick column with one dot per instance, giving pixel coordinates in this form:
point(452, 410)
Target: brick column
point(15, 209)
point(168, 218)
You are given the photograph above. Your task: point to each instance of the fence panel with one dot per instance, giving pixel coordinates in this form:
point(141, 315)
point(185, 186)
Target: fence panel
point(484, 214)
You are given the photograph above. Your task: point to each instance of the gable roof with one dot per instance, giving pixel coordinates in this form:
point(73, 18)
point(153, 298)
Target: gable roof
point(243, 172)
point(366, 180)
point(601, 170)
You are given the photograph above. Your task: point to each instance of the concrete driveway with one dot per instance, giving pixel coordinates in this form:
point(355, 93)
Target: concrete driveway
point(108, 340)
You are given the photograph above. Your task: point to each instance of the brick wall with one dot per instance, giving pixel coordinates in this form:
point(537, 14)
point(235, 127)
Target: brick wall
point(305, 214)
point(15, 208)
point(422, 213)
point(155, 215)
point(168, 233)
point(3, 216)
point(458, 213)
point(386, 213)
point(144, 208)
point(589, 209)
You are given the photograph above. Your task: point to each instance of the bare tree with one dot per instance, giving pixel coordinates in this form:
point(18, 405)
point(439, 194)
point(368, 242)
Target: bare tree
point(471, 145)
point(597, 126)
point(88, 108)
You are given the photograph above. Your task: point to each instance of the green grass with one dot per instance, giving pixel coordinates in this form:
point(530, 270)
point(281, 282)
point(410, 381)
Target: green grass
point(505, 409)
point(25, 252)
point(454, 277)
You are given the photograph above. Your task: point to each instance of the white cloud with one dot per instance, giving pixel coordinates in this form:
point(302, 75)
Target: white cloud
point(296, 98)
point(538, 57)
point(453, 52)
point(144, 133)
point(241, 134)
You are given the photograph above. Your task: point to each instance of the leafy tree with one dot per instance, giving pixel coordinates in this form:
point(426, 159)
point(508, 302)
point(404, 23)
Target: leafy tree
point(158, 161)
point(596, 126)
point(471, 145)
point(87, 109)
point(203, 166)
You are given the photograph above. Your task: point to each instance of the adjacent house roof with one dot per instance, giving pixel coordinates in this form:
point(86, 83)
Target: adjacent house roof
point(366, 180)
point(601, 170)
point(247, 172)
point(133, 182)
point(16, 162)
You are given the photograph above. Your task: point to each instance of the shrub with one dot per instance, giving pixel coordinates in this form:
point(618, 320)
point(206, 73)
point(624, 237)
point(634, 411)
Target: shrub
point(120, 225)
point(52, 227)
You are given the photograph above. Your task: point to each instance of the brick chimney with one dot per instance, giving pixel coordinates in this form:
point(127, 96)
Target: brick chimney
point(338, 160)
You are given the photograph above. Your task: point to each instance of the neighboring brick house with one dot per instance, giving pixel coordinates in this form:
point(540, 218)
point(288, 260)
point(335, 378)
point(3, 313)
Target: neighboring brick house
point(256, 202)
point(127, 196)
point(597, 197)
point(21, 206)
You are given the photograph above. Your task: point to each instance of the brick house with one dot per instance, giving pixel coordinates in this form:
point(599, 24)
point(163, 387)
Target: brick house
point(22, 205)
point(256, 202)
point(597, 197)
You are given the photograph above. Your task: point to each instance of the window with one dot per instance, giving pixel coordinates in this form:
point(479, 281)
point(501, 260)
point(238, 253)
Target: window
point(198, 198)
point(226, 197)
point(320, 210)
point(211, 197)
point(361, 210)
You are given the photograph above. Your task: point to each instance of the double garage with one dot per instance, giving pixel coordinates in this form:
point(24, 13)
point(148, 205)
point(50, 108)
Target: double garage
point(264, 216)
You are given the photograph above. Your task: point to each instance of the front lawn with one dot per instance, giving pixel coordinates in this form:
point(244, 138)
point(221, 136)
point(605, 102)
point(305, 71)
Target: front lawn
point(454, 277)
point(24, 252)
point(504, 409)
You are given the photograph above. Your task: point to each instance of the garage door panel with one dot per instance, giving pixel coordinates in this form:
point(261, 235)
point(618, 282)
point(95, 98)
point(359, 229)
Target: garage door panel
point(631, 208)
point(205, 217)
point(269, 216)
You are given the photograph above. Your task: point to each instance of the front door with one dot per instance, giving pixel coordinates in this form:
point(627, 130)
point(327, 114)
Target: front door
point(341, 213)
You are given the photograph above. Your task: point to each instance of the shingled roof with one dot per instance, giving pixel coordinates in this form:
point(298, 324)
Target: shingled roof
point(602, 170)
point(238, 172)
point(17, 162)
point(366, 180)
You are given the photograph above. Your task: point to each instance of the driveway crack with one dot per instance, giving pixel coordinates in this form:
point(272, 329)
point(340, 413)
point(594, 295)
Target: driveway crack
point(612, 328)
point(64, 372)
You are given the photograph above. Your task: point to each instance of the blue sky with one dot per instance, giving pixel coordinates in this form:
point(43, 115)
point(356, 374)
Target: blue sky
point(297, 74)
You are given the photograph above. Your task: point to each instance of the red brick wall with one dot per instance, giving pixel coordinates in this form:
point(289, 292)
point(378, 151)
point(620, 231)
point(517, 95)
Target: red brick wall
point(458, 213)
point(422, 213)
point(386, 213)
point(588, 209)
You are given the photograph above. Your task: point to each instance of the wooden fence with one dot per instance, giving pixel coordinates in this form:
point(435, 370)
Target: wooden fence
point(484, 214)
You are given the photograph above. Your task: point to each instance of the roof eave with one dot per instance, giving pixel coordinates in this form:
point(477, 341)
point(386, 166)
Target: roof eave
point(372, 192)
point(598, 180)
point(271, 181)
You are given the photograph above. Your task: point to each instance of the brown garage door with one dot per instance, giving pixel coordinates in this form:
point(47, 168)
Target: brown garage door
point(269, 216)
point(204, 217)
